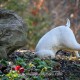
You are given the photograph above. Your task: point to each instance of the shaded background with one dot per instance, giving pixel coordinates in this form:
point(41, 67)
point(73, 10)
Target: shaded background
point(43, 15)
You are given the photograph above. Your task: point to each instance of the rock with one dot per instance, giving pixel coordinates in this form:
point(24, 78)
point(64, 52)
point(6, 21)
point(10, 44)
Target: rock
point(12, 32)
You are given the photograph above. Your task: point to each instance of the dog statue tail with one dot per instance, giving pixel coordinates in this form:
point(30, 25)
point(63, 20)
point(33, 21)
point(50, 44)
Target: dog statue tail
point(68, 23)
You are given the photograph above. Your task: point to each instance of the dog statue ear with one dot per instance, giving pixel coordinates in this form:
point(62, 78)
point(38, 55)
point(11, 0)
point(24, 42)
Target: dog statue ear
point(68, 23)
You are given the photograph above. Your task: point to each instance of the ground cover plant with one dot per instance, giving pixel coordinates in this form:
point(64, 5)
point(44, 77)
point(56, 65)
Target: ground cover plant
point(26, 66)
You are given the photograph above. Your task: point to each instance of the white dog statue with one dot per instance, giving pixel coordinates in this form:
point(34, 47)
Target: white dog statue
point(61, 37)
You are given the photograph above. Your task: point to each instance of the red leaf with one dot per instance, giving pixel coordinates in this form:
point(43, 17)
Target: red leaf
point(17, 67)
point(21, 70)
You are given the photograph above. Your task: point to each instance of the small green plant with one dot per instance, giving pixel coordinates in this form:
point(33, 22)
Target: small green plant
point(36, 69)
